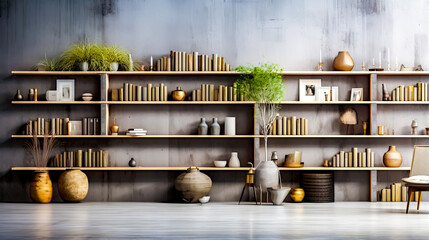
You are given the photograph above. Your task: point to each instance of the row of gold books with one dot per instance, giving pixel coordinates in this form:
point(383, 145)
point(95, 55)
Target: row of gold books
point(418, 92)
point(79, 158)
point(132, 92)
point(354, 158)
point(63, 126)
point(396, 192)
point(183, 61)
point(208, 92)
point(289, 126)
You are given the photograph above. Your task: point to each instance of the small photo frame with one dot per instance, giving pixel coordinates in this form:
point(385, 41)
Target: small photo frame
point(307, 89)
point(323, 94)
point(65, 89)
point(356, 95)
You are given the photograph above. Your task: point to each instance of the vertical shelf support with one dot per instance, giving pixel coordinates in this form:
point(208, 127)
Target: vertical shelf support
point(256, 140)
point(372, 186)
point(373, 106)
point(104, 107)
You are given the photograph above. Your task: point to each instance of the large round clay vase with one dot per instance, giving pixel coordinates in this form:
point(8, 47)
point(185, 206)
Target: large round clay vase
point(41, 187)
point(193, 184)
point(392, 158)
point(267, 175)
point(343, 61)
point(73, 186)
point(297, 194)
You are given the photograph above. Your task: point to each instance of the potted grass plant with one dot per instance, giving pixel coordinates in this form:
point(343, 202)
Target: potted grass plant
point(84, 57)
point(41, 184)
point(117, 58)
point(263, 84)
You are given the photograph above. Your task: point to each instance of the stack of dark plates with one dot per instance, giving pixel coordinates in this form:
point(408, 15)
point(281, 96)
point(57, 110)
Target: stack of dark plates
point(318, 187)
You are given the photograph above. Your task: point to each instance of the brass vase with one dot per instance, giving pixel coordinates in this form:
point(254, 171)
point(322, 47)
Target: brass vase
point(392, 158)
point(41, 187)
point(73, 186)
point(297, 194)
point(343, 61)
point(178, 94)
point(114, 128)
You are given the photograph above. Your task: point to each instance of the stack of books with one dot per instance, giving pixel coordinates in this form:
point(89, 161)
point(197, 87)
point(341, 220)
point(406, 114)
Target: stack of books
point(354, 158)
point(396, 192)
point(418, 92)
point(63, 126)
point(136, 131)
point(90, 158)
point(289, 126)
point(182, 61)
point(132, 92)
point(208, 92)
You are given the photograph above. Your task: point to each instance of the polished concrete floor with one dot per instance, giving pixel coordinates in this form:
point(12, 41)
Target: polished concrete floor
point(342, 220)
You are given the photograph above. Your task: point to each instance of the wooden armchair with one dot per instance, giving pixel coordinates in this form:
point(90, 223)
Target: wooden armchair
point(419, 167)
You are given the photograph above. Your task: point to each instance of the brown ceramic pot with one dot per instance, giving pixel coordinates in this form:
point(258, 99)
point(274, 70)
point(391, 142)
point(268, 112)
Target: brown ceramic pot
point(41, 187)
point(392, 158)
point(297, 194)
point(193, 184)
point(73, 185)
point(343, 61)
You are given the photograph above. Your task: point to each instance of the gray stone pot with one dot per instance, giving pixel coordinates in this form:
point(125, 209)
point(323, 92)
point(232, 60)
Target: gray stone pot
point(83, 66)
point(267, 175)
point(278, 195)
point(114, 66)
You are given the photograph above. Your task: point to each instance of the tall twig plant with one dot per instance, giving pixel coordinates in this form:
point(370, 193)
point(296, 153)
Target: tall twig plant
point(41, 152)
point(263, 84)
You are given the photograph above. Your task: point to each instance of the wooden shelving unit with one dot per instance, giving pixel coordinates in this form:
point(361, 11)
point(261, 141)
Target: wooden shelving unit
point(372, 102)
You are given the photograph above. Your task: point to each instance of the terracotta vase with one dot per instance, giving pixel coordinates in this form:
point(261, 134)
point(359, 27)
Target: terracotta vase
point(41, 187)
point(297, 194)
point(343, 61)
point(193, 184)
point(73, 185)
point(392, 158)
point(267, 175)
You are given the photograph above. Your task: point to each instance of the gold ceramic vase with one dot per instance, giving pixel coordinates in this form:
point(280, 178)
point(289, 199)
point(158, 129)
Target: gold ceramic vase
point(178, 94)
point(114, 129)
point(41, 187)
point(297, 194)
point(343, 61)
point(392, 158)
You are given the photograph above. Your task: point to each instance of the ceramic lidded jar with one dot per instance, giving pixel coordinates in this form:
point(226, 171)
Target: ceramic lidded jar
point(392, 158)
point(193, 184)
point(343, 61)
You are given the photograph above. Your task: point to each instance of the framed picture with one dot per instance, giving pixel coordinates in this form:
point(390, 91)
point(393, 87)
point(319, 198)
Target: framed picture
point(323, 94)
point(65, 89)
point(356, 94)
point(307, 89)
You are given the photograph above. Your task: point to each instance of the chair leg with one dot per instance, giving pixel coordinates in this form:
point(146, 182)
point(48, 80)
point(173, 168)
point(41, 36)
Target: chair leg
point(254, 194)
point(420, 199)
point(410, 190)
point(242, 193)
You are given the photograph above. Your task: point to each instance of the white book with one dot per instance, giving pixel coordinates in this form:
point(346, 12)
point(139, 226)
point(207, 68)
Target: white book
point(364, 159)
point(368, 157)
point(355, 157)
point(334, 161)
point(359, 159)
point(372, 159)
point(341, 158)
point(338, 160)
point(346, 160)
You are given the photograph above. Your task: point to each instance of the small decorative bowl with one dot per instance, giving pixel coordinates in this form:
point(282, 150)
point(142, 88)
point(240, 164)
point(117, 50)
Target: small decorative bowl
point(204, 199)
point(220, 164)
point(87, 96)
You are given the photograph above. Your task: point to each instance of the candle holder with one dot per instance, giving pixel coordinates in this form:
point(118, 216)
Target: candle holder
point(363, 67)
point(320, 66)
point(150, 68)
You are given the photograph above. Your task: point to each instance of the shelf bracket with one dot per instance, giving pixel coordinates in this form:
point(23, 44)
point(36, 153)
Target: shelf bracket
point(373, 106)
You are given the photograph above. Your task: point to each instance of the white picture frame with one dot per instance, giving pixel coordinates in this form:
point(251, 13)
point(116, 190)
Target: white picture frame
point(323, 94)
point(65, 89)
point(356, 95)
point(307, 89)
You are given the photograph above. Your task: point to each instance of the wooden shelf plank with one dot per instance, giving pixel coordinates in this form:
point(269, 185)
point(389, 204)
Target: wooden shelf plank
point(57, 73)
point(206, 169)
point(401, 103)
point(324, 103)
point(402, 73)
point(179, 102)
point(57, 102)
point(347, 136)
point(142, 136)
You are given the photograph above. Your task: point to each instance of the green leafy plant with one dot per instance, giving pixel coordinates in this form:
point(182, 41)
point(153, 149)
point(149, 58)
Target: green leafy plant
point(49, 64)
point(119, 55)
point(263, 84)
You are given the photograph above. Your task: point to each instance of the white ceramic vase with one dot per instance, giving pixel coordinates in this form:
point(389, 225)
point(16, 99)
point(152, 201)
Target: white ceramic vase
point(234, 162)
point(230, 126)
point(267, 175)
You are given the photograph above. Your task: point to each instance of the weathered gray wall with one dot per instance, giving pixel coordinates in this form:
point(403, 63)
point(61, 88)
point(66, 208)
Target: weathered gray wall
point(286, 32)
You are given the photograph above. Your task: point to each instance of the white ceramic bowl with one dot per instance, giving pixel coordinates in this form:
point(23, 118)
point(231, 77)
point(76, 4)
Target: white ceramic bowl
point(87, 98)
point(220, 163)
point(87, 95)
point(204, 199)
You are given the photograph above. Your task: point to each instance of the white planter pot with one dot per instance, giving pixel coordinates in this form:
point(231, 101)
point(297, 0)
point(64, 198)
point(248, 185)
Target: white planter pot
point(278, 195)
point(83, 66)
point(114, 66)
point(267, 175)
point(230, 126)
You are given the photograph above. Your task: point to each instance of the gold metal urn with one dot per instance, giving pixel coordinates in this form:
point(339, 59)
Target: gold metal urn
point(297, 194)
point(178, 94)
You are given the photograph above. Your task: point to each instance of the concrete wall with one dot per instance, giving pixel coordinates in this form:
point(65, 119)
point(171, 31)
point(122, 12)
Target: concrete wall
point(289, 33)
